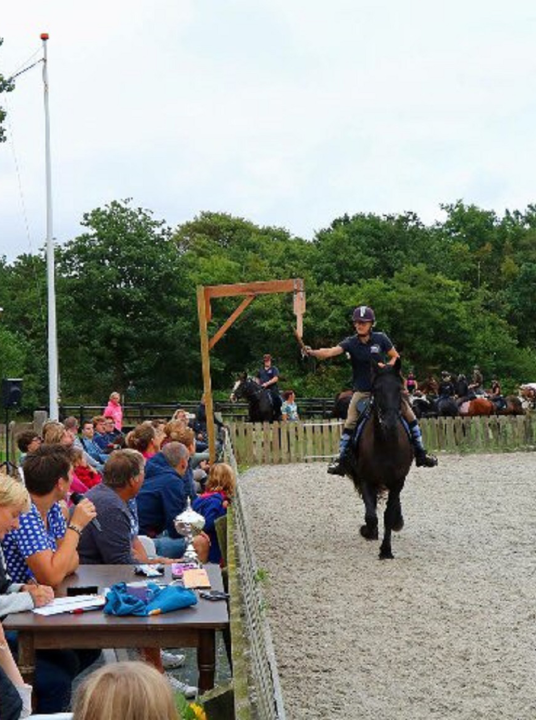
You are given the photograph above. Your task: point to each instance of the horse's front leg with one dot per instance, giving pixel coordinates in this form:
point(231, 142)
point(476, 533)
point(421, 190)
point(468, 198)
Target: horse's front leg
point(370, 530)
point(392, 520)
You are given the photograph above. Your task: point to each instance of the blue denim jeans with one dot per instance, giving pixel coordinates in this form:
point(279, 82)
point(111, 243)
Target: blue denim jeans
point(170, 547)
point(10, 702)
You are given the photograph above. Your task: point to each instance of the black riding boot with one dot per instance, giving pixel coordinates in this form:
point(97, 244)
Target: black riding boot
point(337, 467)
point(422, 459)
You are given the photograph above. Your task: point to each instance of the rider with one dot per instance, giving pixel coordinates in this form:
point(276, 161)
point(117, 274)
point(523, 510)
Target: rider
point(361, 347)
point(268, 377)
point(477, 381)
point(446, 386)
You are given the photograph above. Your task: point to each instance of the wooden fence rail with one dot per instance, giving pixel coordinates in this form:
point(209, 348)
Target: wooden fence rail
point(312, 441)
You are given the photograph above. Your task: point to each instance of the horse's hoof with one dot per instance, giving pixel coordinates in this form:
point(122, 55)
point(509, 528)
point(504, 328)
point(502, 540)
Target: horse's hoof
point(399, 524)
point(369, 533)
point(386, 555)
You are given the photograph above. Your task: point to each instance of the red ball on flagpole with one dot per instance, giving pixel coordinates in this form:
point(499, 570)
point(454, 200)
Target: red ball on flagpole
point(44, 36)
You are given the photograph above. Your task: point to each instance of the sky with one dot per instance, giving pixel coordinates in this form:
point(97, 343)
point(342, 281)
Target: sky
point(285, 112)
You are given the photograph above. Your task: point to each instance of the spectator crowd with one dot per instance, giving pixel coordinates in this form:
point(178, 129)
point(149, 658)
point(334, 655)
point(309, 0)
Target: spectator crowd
point(97, 495)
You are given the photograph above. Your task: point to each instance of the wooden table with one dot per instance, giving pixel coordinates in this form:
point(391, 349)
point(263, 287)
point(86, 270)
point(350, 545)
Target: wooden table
point(189, 627)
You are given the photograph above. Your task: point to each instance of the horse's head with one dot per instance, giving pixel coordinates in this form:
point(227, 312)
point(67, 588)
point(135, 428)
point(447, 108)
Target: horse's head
point(387, 386)
point(238, 388)
point(244, 387)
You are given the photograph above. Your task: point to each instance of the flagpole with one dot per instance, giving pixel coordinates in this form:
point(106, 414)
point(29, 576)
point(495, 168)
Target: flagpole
point(52, 333)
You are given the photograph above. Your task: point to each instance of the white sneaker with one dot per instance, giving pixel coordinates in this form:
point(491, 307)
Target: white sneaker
point(189, 691)
point(170, 661)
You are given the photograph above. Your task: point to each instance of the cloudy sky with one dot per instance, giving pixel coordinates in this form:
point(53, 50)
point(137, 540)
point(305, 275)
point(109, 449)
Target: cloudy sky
point(287, 112)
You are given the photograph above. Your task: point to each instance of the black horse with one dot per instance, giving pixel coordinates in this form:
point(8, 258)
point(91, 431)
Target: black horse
point(383, 456)
point(261, 405)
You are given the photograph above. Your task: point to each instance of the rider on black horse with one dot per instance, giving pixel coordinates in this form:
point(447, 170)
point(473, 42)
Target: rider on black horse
point(268, 377)
point(446, 386)
point(362, 347)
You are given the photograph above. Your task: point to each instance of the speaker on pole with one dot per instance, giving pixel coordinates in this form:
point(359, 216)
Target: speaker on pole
point(11, 392)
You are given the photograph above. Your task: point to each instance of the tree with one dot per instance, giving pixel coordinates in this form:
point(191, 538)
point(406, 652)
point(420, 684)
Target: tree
point(123, 310)
point(6, 85)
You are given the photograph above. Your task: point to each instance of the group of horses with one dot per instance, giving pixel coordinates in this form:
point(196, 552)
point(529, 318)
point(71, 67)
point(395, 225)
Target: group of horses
point(430, 406)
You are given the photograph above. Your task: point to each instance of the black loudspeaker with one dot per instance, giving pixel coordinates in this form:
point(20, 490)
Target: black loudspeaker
point(11, 392)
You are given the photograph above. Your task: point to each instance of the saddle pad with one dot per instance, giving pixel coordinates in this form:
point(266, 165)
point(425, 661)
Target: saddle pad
point(464, 408)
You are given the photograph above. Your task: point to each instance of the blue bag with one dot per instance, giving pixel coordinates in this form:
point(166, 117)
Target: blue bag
point(119, 601)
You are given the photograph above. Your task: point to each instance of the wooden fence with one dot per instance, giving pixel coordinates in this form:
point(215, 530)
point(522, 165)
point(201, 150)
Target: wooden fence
point(317, 441)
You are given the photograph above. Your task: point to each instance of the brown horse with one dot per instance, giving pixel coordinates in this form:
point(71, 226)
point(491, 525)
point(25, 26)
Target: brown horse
point(514, 406)
point(477, 407)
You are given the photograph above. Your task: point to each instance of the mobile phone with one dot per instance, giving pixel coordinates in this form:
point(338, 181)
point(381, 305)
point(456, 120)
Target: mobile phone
point(213, 595)
point(83, 590)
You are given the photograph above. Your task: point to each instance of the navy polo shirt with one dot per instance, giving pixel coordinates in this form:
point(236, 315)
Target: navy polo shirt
point(266, 374)
point(360, 353)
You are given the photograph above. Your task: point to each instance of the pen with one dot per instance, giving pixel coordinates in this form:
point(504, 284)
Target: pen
point(79, 611)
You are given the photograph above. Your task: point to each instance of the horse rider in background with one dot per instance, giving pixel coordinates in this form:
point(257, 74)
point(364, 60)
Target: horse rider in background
point(362, 347)
point(268, 377)
point(477, 382)
point(446, 386)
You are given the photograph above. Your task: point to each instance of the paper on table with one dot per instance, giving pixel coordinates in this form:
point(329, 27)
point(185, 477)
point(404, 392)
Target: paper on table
point(67, 604)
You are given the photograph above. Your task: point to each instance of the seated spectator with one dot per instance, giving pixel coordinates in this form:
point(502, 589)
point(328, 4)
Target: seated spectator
point(289, 410)
point(55, 433)
point(115, 411)
point(116, 541)
point(55, 670)
point(44, 546)
point(125, 691)
point(82, 472)
point(116, 439)
point(72, 425)
point(163, 496)
point(27, 442)
point(144, 439)
point(87, 440)
point(100, 437)
point(177, 431)
point(159, 426)
point(213, 503)
point(112, 543)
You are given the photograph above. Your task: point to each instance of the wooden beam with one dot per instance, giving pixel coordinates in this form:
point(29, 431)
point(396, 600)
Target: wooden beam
point(253, 288)
point(230, 320)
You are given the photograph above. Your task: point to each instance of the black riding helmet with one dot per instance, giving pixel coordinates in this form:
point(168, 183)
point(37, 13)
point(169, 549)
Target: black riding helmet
point(363, 313)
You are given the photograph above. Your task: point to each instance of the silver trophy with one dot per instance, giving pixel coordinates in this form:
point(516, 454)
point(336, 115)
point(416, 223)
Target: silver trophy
point(189, 524)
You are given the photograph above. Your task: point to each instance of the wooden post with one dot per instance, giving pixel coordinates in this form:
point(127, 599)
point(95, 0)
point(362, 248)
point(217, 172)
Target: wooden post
point(207, 383)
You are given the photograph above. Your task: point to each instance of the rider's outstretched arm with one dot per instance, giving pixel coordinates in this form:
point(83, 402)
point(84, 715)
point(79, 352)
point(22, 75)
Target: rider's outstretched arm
point(324, 353)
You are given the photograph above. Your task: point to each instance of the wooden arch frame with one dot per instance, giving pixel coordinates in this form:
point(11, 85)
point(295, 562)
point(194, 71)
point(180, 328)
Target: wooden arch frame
point(204, 310)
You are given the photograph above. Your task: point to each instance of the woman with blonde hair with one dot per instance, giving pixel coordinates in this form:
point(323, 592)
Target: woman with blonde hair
point(125, 691)
point(55, 433)
point(213, 503)
point(18, 597)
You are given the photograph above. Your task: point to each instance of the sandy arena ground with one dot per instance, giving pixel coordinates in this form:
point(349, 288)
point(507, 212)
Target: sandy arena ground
point(445, 630)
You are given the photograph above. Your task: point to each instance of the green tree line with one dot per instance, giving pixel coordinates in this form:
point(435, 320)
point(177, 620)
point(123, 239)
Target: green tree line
point(451, 294)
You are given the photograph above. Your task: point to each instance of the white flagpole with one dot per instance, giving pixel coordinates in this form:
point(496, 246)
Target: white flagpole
point(52, 334)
